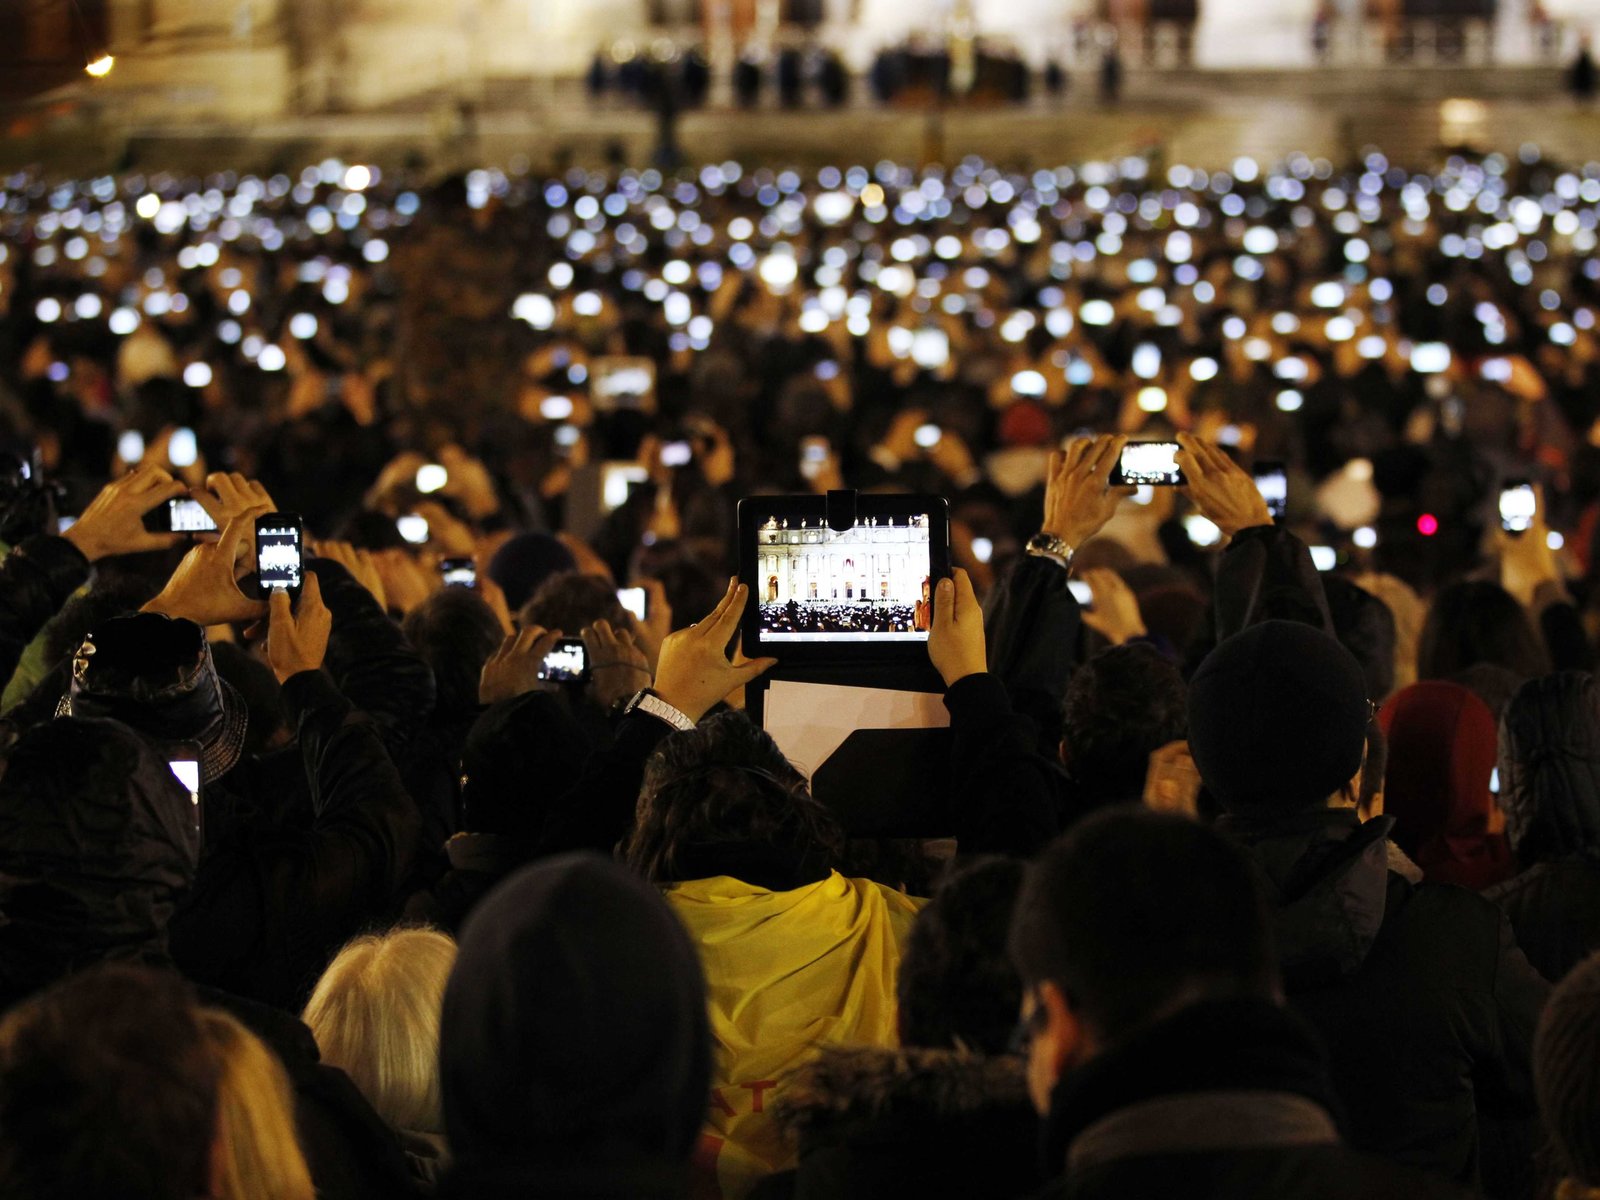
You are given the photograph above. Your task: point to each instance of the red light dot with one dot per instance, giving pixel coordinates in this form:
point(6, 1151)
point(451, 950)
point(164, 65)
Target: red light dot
point(1427, 524)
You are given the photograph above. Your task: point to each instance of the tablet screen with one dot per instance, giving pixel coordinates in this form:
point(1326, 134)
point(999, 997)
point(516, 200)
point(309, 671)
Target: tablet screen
point(871, 583)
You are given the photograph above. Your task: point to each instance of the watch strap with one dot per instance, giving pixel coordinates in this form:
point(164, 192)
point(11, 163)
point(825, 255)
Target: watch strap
point(646, 701)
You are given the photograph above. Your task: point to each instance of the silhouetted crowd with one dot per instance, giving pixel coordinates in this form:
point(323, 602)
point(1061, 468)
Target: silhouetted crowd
point(1259, 857)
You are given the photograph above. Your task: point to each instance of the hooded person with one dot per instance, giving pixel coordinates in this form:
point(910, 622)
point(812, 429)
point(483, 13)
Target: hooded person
point(1419, 991)
point(575, 1057)
point(796, 955)
point(1550, 794)
point(1441, 761)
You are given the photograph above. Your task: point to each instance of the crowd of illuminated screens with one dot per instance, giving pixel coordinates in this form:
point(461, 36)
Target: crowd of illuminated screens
point(1188, 263)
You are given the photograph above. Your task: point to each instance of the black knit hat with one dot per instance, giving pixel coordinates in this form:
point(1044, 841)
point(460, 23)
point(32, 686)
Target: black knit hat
point(155, 674)
point(1566, 1071)
point(1278, 718)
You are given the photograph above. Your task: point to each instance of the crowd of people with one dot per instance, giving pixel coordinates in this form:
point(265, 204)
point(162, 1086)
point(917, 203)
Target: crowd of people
point(1261, 855)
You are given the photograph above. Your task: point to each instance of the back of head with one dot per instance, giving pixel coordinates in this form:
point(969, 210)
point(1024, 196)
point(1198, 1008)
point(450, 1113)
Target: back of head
point(1550, 767)
point(1475, 622)
point(509, 778)
point(1365, 627)
point(570, 602)
point(97, 846)
point(257, 1155)
point(526, 561)
point(1278, 718)
point(1121, 706)
point(375, 1015)
point(1134, 912)
point(455, 632)
point(107, 1089)
point(956, 986)
point(1441, 754)
point(724, 788)
point(1566, 1072)
point(574, 1028)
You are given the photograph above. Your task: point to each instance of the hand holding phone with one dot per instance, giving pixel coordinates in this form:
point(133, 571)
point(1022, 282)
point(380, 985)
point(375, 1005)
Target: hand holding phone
point(636, 600)
point(1272, 481)
point(1519, 505)
point(1153, 464)
point(181, 514)
point(297, 630)
point(566, 662)
point(280, 553)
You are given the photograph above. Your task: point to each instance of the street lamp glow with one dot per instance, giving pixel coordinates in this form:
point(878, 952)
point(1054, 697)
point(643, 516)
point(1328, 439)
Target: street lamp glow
point(100, 67)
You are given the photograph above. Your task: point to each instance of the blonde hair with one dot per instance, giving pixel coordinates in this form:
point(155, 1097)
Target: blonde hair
point(375, 1015)
point(257, 1156)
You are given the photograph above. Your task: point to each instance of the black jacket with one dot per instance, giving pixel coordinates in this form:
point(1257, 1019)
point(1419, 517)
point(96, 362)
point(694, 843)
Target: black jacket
point(1550, 794)
point(1227, 1099)
point(272, 905)
point(878, 1123)
point(1426, 1004)
point(1032, 631)
point(36, 579)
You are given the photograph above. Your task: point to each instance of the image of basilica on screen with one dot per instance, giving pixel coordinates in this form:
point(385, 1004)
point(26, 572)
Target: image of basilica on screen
point(869, 582)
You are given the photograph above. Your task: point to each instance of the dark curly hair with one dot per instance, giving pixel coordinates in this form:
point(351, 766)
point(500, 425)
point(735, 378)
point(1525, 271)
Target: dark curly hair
point(571, 602)
point(1121, 706)
point(724, 783)
point(956, 985)
point(455, 631)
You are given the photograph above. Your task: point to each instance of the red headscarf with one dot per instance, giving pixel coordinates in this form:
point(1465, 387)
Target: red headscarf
point(1442, 747)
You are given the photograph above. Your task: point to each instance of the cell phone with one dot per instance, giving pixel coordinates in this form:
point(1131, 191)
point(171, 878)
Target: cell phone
point(930, 348)
point(130, 446)
point(1495, 370)
point(636, 600)
point(982, 549)
point(566, 437)
point(431, 477)
point(567, 662)
point(179, 515)
point(1324, 558)
point(183, 447)
point(826, 369)
point(927, 436)
point(1272, 481)
point(65, 523)
point(458, 572)
point(619, 384)
point(618, 481)
point(814, 453)
point(280, 553)
point(676, 454)
point(184, 761)
point(414, 528)
point(1154, 464)
point(1082, 593)
point(1518, 506)
point(1430, 358)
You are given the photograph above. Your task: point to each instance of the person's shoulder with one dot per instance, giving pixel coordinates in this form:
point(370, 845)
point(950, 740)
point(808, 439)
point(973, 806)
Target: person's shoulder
point(1450, 927)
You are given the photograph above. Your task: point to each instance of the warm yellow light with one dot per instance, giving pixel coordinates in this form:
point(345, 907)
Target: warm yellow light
point(101, 66)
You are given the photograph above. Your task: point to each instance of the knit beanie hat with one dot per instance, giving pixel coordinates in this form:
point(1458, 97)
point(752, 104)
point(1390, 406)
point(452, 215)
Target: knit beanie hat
point(1278, 718)
point(1566, 1071)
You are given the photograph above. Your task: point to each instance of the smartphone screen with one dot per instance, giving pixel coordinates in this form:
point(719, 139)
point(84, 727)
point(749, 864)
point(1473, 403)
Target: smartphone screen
point(1273, 484)
point(185, 515)
point(414, 528)
point(184, 764)
point(813, 455)
point(927, 436)
point(567, 663)
point(676, 454)
point(1518, 505)
point(1082, 593)
point(1324, 558)
point(1495, 370)
point(1429, 358)
point(431, 477)
point(930, 348)
point(458, 572)
point(280, 563)
point(982, 549)
point(1149, 463)
point(636, 600)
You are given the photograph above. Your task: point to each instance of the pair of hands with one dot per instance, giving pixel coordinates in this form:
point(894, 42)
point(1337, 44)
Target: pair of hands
point(114, 521)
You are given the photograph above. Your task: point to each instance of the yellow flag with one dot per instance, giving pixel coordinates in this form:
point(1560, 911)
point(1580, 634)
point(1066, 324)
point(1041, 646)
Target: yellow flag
point(785, 973)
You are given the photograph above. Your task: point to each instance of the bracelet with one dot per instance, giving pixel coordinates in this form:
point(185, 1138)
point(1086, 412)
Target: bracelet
point(618, 663)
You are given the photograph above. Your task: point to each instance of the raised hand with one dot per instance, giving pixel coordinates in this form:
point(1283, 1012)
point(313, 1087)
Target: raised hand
point(1115, 615)
point(955, 644)
point(297, 633)
point(1078, 496)
point(513, 669)
point(204, 588)
point(694, 671)
point(1220, 488)
point(617, 667)
point(114, 521)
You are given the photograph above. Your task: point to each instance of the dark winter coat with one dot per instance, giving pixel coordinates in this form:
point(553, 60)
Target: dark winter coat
point(36, 579)
point(1227, 1099)
point(1550, 794)
point(1427, 1006)
point(877, 1123)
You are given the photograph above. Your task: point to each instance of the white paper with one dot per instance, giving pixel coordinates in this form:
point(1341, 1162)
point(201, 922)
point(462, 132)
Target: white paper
point(809, 721)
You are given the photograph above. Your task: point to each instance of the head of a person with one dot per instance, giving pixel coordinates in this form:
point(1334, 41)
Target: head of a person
point(723, 789)
point(375, 1015)
point(1278, 721)
point(1550, 767)
point(256, 1154)
point(1121, 706)
point(509, 782)
point(574, 1028)
point(1130, 917)
point(108, 1087)
point(455, 632)
point(1365, 627)
point(1441, 741)
point(525, 561)
point(155, 674)
point(571, 602)
point(1472, 622)
point(956, 987)
point(98, 845)
point(1566, 1073)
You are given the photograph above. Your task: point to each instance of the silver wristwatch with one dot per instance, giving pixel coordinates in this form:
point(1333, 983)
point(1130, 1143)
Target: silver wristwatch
point(1048, 545)
point(648, 702)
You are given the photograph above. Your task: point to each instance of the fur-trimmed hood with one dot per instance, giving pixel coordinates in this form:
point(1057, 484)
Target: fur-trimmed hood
point(847, 1084)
